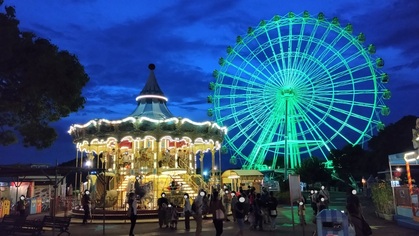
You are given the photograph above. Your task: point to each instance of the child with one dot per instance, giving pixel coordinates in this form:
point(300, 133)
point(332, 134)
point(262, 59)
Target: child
point(174, 216)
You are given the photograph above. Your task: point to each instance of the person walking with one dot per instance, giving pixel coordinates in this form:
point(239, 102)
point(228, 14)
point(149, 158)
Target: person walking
point(233, 204)
point(85, 201)
point(257, 212)
point(227, 203)
point(218, 213)
point(132, 212)
point(326, 195)
point(313, 201)
point(162, 203)
point(240, 212)
point(357, 220)
point(21, 206)
point(197, 212)
point(187, 211)
point(272, 205)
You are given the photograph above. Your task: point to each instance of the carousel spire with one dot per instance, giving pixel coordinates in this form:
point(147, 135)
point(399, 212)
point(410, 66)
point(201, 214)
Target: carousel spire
point(151, 101)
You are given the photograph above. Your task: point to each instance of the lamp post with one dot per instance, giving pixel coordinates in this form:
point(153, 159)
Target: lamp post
point(88, 164)
point(364, 188)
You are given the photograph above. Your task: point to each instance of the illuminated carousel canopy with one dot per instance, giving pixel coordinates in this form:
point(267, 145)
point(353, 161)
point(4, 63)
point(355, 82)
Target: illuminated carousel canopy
point(150, 118)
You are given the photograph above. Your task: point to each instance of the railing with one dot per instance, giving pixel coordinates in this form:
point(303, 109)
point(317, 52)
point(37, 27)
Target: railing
point(198, 181)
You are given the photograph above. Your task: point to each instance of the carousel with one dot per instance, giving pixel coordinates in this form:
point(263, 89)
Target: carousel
point(149, 152)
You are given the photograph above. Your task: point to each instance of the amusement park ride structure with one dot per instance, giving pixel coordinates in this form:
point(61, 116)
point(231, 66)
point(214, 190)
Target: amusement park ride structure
point(151, 151)
point(297, 86)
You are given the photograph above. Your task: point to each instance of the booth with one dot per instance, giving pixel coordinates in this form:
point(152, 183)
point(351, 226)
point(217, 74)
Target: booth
point(242, 178)
point(405, 196)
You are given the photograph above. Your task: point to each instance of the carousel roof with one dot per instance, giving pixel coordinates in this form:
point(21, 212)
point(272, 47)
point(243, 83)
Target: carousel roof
point(151, 101)
point(151, 117)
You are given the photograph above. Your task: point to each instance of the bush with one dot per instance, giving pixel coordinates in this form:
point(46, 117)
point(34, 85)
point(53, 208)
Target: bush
point(382, 197)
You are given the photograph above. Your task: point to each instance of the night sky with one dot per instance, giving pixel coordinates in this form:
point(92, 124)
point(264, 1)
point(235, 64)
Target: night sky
point(116, 40)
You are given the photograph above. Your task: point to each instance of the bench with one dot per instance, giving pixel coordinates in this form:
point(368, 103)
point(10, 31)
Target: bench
point(28, 227)
point(10, 222)
point(60, 223)
point(19, 225)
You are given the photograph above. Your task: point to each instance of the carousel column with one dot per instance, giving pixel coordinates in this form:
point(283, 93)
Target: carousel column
point(191, 169)
point(156, 182)
point(213, 167)
point(176, 159)
point(201, 161)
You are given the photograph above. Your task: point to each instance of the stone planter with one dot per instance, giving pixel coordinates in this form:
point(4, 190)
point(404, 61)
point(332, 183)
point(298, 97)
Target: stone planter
point(385, 216)
point(388, 217)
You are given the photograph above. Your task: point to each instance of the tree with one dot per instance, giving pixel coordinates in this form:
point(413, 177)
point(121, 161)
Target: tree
point(39, 84)
point(395, 138)
point(351, 161)
point(312, 170)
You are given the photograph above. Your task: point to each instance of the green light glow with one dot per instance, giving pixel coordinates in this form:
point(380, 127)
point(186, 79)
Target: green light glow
point(298, 86)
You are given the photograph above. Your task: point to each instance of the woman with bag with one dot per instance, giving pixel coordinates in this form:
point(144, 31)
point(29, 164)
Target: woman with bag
point(218, 213)
point(356, 219)
point(132, 212)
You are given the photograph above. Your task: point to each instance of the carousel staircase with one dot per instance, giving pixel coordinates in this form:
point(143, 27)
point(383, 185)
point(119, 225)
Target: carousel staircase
point(185, 186)
point(123, 185)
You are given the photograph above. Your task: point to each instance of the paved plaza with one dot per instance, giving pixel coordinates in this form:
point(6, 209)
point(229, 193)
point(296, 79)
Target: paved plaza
point(284, 224)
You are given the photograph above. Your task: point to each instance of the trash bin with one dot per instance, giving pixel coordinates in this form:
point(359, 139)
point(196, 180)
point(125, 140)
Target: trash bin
point(38, 205)
point(332, 222)
point(32, 205)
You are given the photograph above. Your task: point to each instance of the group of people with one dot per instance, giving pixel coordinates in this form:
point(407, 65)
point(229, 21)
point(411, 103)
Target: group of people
point(167, 212)
point(245, 206)
point(319, 199)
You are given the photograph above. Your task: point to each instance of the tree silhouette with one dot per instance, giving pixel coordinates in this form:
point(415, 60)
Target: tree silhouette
point(39, 84)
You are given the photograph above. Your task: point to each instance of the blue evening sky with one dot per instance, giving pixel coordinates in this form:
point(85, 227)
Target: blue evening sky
point(116, 40)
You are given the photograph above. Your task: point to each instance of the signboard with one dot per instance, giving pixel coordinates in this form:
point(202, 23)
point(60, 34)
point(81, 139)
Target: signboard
point(395, 183)
point(295, 189)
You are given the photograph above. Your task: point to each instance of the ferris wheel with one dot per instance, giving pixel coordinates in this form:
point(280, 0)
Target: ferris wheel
point(297, 86)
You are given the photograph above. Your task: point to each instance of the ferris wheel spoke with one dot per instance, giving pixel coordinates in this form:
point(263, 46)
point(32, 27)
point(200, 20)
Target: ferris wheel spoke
point(241, 79)
point(310, 41)
point(348, 60)
point(335, 131)
point(299, 40)
point(265, 46)
point(272, 47)
point(353, 115)
point(319, 45)
point(331, 47)
point(261, 149)
point(254, 55)
point(342, 61)
point(281, 48)
point(351, 103)
point(242, 70)
point(250, 123)
point(315, 134)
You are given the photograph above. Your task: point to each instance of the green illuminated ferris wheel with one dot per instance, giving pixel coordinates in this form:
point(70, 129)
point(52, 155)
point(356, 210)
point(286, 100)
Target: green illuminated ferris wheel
point(297, 86)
